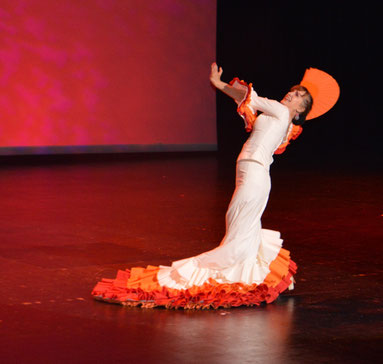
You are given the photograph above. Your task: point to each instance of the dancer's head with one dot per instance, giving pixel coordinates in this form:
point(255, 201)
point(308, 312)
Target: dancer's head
point(299, 101)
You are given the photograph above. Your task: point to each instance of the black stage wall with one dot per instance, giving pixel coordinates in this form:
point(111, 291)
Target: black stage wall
point(272, 43)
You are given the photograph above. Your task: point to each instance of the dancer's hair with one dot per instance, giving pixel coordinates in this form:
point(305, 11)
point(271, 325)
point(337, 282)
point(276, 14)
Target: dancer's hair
point(307, 103)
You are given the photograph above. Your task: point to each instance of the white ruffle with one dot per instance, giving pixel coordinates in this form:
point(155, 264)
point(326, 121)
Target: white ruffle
point(185, 273)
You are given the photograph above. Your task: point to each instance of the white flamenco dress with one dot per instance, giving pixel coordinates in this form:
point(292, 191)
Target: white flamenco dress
point(249, 266)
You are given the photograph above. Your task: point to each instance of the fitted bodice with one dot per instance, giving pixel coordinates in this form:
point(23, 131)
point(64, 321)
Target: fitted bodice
point(269, 130)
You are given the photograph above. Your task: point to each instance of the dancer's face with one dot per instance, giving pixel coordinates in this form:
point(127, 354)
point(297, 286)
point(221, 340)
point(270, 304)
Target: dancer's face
point(294, 100)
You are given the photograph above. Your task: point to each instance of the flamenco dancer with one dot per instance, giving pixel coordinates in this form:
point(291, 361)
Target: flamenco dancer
point(249, 266)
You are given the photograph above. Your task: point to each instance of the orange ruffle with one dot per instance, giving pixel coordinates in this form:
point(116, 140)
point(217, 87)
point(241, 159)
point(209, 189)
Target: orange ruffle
point(243, 108)
point(294, 133)
point(139, 287)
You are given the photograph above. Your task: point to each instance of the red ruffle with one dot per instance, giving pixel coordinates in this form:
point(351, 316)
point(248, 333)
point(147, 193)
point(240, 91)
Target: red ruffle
point(210, 295)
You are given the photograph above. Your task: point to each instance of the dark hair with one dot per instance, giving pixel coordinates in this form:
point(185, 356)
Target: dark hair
point(307, 103)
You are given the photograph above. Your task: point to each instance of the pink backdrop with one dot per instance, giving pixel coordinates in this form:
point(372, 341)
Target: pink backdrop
point(106, 72)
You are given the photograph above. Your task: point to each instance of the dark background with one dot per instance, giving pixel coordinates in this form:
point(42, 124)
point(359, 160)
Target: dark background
point(271, 44)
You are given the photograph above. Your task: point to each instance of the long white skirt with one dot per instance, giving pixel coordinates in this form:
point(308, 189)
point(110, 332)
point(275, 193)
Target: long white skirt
point(246, 251)
point(247, 268)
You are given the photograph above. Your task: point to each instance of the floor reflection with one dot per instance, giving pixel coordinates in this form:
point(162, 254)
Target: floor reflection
point(235, 335)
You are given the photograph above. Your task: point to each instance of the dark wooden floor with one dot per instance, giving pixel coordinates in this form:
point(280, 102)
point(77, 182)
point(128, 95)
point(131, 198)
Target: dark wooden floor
point(65, 225)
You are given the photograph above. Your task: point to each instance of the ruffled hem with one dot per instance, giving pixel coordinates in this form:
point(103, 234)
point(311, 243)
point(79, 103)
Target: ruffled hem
point(244, 110)
point(140, 287)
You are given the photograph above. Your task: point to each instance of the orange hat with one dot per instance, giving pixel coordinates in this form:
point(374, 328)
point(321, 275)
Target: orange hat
point(324, 90)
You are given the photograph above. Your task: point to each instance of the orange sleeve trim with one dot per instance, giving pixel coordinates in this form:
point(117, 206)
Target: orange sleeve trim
point(243, 108)
point(294, 133)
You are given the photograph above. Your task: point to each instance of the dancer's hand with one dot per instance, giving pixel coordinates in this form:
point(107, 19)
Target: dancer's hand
point(215, 78)
point(215, 74)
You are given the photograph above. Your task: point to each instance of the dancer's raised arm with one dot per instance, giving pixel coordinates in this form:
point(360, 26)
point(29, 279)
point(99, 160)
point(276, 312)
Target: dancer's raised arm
point(215, 78)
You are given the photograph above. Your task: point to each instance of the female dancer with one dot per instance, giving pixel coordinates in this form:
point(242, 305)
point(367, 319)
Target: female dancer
point(249, 266)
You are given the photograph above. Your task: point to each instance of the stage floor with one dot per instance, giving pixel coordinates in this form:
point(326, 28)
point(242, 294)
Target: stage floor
point(65, 225)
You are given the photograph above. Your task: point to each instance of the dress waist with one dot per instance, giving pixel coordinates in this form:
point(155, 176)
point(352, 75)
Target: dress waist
point(254, 161)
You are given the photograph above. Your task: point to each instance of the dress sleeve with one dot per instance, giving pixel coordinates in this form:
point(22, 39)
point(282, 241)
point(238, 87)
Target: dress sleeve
point(245, 109)
point(251, 103)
